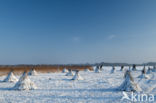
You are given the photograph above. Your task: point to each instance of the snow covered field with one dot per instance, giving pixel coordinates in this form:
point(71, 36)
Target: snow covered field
point(58, 88)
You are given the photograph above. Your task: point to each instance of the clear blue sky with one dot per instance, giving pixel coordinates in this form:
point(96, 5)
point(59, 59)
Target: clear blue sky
point(77, 31)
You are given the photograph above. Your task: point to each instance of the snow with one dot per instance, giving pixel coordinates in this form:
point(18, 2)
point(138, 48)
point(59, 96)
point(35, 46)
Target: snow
point(24, 83)
point(69, 73)
point(86, 70)
point(97, 69)
point(113, 70)
point(77, 76)
point(32, 72)
point(149, 71)
point(144, 76)
point(129, 83)
point(95, 88)
point(64, 70)
point(10, 78)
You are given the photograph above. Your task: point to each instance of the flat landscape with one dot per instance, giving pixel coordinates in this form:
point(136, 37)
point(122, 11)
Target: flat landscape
point(94, 88)
point(77, 51)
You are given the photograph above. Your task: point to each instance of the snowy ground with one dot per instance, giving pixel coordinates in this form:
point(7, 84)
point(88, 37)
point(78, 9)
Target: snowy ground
point(58, 88)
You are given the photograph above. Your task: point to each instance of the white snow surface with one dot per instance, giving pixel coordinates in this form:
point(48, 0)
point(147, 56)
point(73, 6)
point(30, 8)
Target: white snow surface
point(144, 76)
point(58, 88)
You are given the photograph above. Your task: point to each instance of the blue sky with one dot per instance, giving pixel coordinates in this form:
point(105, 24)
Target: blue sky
point(77, 31)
